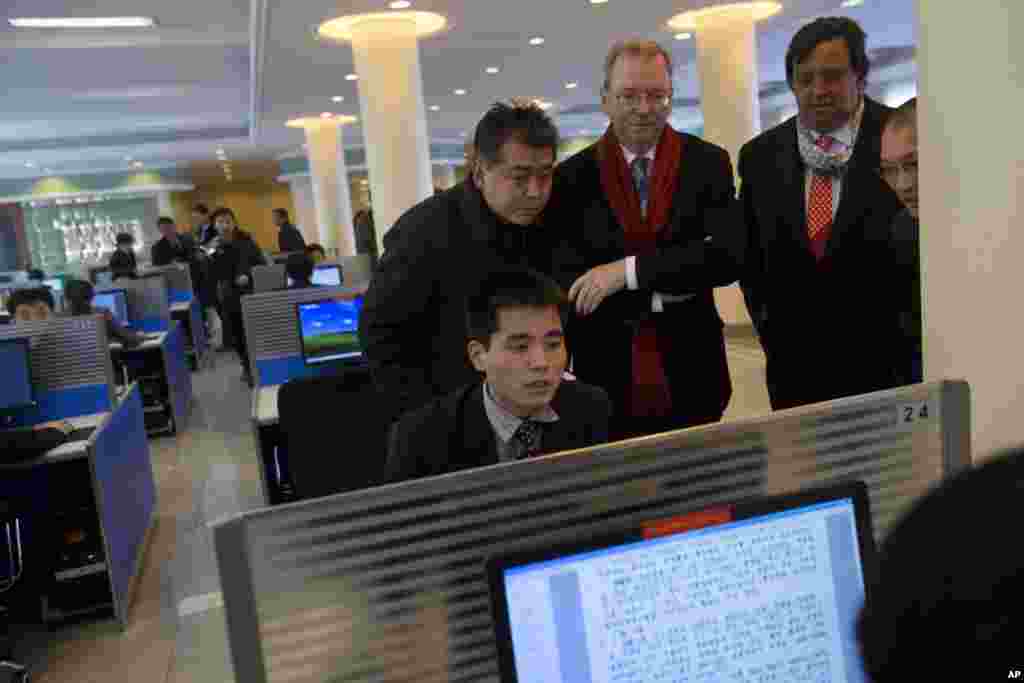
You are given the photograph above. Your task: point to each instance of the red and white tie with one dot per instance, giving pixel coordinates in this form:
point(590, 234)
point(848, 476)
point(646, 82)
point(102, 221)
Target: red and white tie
point(819, 206)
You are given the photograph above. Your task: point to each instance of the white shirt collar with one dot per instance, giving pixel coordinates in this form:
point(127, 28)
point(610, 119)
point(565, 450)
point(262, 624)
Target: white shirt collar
point(630, 156)
point(505, 423)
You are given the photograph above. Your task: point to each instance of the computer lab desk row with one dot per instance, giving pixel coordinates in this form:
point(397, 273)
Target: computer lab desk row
point(159, 365)
point(103, 484)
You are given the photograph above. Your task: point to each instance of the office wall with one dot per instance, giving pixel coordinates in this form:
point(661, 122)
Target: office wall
point(972, 198)
point(251, 202)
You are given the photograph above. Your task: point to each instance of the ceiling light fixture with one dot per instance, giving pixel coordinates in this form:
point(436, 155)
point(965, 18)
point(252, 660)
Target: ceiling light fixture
point(852, 3)
point(337, 98)
point(29, 164)
point(83, 22)
point(400, 4)
point(352, 77)
point(492, 69)
point(571, 86)
point(460, 91)
point(684, 36)
point(536, 41)
point(598, 2)
point(435, 107)
point(326, 115)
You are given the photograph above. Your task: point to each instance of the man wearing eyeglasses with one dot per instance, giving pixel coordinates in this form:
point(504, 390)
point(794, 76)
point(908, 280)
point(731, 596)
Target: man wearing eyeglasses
point(630, 207)
point(899, 169)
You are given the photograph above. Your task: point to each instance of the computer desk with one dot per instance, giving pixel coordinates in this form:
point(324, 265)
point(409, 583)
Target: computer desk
point(119, 476)
point(166, 351)
point(267, 429)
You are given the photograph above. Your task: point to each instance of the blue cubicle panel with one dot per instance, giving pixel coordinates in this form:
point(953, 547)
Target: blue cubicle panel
point(179, 379)
point(272, 371)
point(58, 404)
point(178, 296)
point(126, 494)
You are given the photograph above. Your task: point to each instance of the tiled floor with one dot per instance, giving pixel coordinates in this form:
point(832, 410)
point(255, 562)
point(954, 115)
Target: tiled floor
point(177, 631)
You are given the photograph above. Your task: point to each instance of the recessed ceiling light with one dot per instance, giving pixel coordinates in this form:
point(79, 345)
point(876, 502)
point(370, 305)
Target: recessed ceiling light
point(536, 41)
point(460, 91)
point(83, 22)
point(571, 86)
point(598, 2)
point(400, 4)
point(435, 107)
point(326, 115)
point(29, 164)
point(337, 98)
point(852, 3)
point(684, 36)
point(352, 77)
point(492, 69)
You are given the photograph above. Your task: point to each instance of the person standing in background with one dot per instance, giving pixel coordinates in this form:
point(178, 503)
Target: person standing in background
point(123, 262)
point(289, 239)
point(205, 230)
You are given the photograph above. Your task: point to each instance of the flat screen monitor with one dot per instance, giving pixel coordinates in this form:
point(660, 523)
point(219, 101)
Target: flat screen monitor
point(327, 275)
point(763, 591)
point(55, 284)
point(115, 301)
point(329, 330)
point(16, 389)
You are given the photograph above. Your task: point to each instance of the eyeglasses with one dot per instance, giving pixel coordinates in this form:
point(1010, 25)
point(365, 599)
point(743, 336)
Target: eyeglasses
point(659, 99)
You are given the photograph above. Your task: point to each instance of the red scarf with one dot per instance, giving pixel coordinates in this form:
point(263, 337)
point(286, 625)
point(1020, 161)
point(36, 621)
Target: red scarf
point(650, 395)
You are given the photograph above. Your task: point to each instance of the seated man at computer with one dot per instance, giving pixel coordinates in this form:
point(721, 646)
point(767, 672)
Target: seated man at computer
point(79, 294)
point(522, 408)
point(299, 268)
point(30, 305)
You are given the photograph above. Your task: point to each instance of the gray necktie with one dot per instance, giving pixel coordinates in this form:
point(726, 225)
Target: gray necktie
point(640, 178)
point(527, 438)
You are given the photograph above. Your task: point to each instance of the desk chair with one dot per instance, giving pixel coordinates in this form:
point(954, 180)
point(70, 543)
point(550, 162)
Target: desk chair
point(10, 535)
point(333, 433)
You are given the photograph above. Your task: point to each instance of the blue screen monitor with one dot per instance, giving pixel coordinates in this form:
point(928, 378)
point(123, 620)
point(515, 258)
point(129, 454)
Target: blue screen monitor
point(329, 330)
point(115, 301)
point(326, 275)
point(729, 594)
point(16, 389)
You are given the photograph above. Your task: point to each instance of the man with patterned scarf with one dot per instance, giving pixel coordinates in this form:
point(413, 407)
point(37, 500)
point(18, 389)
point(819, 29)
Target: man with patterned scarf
point(629, 210)
point(816, 219)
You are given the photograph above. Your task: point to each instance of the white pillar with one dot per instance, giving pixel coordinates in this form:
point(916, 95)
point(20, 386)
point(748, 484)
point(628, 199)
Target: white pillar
point(972, 198)
point(330, 184)
point(164, 207)
point(727, 66)
point(305, 207)
point(393, 116)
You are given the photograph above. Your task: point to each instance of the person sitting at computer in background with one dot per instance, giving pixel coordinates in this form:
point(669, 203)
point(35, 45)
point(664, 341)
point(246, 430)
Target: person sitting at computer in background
point(299, 268)
point(30, 305)
point(79, 295)
point(949, 585)
point(522, 408)
point(123, 262)
point(316, 252)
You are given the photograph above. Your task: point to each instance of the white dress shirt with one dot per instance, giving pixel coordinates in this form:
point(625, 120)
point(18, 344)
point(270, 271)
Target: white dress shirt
point(658, 300)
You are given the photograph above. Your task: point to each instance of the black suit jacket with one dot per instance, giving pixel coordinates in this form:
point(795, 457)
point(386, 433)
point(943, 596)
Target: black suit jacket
point(413, 323)
point(827, 329)
point(290, 239)
point(163, 253)
point(600, 344)
point(123, 265)
point(454, 433)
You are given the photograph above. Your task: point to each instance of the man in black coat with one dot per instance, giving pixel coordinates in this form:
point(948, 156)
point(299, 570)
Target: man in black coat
point(523, 408)
point(412, 326)
point(123, 262)
point(173, 246)
point(817, 221)
point(289, 238)
point(632, 205)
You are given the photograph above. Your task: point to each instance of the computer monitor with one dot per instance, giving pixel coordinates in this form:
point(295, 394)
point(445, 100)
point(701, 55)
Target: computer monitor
point(115, 301)
point(329, 330)
point(328, 274)
point(768, 590)
point(16, 389)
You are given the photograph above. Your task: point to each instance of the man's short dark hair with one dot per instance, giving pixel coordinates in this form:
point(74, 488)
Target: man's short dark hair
point(299, 267)
point(165, 220)
point(823, 30)
point(201, 208)
point(32, 295)
point(315, 248)
point(948, 580)
point(510, 288)
point(125, 238)
point(524, 123)
point(36, 274)
point(223, 211)
point(283, 213)
point(79, 294)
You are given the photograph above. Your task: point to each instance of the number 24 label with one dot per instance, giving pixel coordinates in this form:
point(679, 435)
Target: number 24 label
point(914, 412)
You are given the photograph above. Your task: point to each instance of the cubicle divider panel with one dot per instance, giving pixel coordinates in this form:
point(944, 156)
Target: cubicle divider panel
point(272, 332)
point(148, 302)
point(71, 367)
point(388, 584)
point(126, 495)
point(179, 379)
point(356, 270)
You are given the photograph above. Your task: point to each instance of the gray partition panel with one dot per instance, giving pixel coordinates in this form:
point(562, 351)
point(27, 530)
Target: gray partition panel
point(178, 276)
point(387, 584)
point(269, 318)
point(66, 352)
point(147, 297)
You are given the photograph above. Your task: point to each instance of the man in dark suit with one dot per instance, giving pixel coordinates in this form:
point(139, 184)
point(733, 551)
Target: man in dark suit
point(413, 326)
point(173, 247)
point(638, 199)
point(522, 408)
point(289, 238)
point(123, 262)
point(817, 220)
